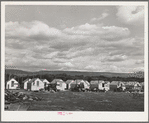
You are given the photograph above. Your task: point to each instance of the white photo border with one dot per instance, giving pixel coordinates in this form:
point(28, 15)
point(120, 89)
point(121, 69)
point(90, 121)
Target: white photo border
point(73, 115)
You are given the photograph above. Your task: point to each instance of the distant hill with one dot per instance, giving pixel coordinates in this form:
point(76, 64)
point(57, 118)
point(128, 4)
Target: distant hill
point(16, 72)
point(77, 73)
point(71, 73)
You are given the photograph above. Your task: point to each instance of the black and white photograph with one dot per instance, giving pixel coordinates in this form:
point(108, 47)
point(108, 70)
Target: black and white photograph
point(67, 58)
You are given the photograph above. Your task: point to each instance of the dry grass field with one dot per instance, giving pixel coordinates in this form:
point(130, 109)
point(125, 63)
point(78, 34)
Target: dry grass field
point(85, 101)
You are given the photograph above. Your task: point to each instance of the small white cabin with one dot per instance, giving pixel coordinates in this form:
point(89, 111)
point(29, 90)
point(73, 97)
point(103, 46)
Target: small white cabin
point(100, 84)
point(12, 84)
point(60, 84)
point(107, 85)
point(35, 84)
point(137, 86)
point(45, 81)
point(83, 83)
point(114, 85)
point(25, 83)
point(68, 83)
point(142, 85)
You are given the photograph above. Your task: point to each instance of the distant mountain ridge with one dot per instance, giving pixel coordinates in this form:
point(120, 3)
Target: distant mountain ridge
point(71, 73)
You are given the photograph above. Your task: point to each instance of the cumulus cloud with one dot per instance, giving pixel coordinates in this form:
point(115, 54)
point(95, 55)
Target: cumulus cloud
point(31, 31)
point(116, 58)
point(35, 45)
point(139, 62)
point(103, 16)
point(66, 64)
point(105, 32)
point(133, 15)
point(113, 32)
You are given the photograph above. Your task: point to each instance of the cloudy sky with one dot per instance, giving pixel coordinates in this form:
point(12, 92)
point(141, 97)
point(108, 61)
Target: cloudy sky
point(84, 38)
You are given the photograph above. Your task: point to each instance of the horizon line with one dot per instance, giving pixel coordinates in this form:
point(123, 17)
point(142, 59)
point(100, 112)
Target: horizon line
point(47, 70)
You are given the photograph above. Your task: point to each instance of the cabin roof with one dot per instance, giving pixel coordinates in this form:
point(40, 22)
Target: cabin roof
point(11, 79)
point(32, 80)
point(56, 80)
point(26, 80)
point(69, 81)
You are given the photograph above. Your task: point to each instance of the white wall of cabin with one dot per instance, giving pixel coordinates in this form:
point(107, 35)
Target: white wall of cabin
point(86, 85)
point(46, 81)
point(69, 85)
point(100, 85)
point(34, 87)
point(61, 86)
point(9, 84)
point(25, 84)
point(107, 86)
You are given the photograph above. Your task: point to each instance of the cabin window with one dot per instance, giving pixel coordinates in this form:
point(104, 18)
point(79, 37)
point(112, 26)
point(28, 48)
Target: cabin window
point(37, 83)
point(58, 84)
point(33, 83)
point(103, 84)
point(12, 83)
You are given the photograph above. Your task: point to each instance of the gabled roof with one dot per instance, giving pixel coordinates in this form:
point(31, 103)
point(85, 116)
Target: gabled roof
point(44, 80)
point(142, 83)
point(130, 83)
point(32, 80)
point(87, 82)
point(107, 82)
point(11, 79)
point(117, 83)
point(26, 80)
point(78, 81)
point(114, 83)
point(137, 84)
point(96, 81)
point(69, 81)
point(56, 80)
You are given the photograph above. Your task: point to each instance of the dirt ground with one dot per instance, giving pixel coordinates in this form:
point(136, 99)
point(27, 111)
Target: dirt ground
point(85, 101)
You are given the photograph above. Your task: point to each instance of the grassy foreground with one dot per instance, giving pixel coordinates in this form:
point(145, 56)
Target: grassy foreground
point(86, 101)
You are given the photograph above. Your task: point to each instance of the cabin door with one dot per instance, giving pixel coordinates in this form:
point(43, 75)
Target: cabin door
point(67, 86)
point(28, 86)
point(8, 86)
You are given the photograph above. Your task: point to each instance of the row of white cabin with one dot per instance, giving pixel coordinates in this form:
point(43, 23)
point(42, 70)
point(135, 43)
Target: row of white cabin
point(29, 84)
point(37, 84)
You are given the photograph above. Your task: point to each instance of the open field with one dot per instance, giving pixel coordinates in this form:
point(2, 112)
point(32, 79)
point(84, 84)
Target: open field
point(86, 101)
